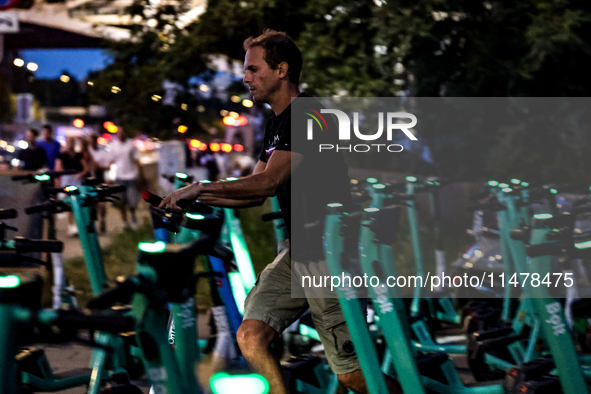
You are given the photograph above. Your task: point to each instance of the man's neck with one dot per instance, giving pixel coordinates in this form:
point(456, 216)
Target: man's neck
point(284, 99)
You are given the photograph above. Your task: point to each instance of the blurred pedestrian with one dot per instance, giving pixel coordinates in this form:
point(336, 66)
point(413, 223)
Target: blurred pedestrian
point(51, 146)
point(126, 157)
point(209, 161)
point(101, 161)
point(33, 157)
point(70, 160)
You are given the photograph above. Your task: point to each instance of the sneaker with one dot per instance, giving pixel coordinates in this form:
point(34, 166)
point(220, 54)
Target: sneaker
point(72, 230)
point(134, 224)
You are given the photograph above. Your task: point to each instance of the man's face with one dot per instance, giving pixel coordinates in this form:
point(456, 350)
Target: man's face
point(262, 81)
point(46, 134)
point(30, 136)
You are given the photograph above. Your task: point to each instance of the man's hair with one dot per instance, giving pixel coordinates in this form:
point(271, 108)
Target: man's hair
point(35, 132)
point(279, 47)
point(48, 127)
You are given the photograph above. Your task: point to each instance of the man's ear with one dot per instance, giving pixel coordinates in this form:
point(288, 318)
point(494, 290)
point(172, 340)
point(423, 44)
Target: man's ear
point(283, 68)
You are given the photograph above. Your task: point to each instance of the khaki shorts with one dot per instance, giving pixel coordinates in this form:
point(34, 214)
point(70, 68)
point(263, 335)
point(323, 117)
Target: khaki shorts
point(271, 302)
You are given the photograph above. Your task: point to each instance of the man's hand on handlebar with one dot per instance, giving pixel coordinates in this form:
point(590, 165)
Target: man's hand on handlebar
point(190, 192)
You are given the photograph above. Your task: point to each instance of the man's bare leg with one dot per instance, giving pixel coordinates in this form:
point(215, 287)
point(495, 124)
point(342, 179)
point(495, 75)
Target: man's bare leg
point(254, 338)
point(355, 381)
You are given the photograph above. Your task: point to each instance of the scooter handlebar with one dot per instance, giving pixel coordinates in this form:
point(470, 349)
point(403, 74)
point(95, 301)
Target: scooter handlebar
point(8, 214)
point(36, 245)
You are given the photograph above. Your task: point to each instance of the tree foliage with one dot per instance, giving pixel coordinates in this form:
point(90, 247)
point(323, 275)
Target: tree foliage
point(380, 48)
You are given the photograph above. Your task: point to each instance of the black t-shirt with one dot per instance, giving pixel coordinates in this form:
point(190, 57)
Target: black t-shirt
point(320, 178)
point(33, 158)
point(71, 162)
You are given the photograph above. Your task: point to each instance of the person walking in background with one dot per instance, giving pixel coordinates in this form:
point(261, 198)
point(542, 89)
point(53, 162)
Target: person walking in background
point(210, 163)
point(34, 157)
point(101, 161)
point(70, 160)
point(51, 146)
point(126, 157)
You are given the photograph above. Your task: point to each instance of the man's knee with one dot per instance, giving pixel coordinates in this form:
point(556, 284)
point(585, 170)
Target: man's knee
point(353, 381)
point(254, 335)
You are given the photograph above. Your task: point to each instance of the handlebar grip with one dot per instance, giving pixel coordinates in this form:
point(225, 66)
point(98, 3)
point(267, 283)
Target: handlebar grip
point(155, 200)
point(122, 293)
point(21, 177)
point(8, 214)
point(168, 177)
point(495, 206)
point(46, 206)
point(36, 245)
point(267, 217)
point(109, 323)
point(581, 209)
point(547, 249)
point(403, 197)
point(111, 190)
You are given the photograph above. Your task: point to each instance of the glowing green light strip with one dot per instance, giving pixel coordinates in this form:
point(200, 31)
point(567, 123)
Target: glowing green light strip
point(493, 183)
point(9, 281)
point(371, 209)
point(553, 191)
point(379, 186)
point(507, 190)
point(335, 205)
point(223, 383)
point(515, 181)
point(150, 247)
point(372, 180)
point(524, 184)
point(411, 178)
point(583, 245)
point(543, 216)
point(195, 216)
point(181, 175)
point(503, 185)
point(70, 188)
point(43, 177)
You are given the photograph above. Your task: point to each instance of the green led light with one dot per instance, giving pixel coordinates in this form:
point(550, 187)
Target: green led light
point(493, 183)
point(411, 178)
point(553, 191)
point(372, 180)
point(231, 178)
point(379, 186)
point(150, 247)
point(181, 175)
point(9, 282)
point(194, 216)
point(371, 209)
point(42, 177)
point(430, 183)
point(515, 181)
point(70, 188)
point(205, 181)
point(524, 184)
point(437, 184)
point(335, 205)
point(543, 216)
point(507, 189)
point(503, 185)
point(223, 383)
point(583, 245)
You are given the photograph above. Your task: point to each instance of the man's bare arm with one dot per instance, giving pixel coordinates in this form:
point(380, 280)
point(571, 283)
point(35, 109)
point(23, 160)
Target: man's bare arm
point(249, 191)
